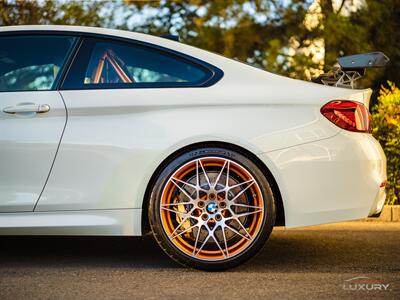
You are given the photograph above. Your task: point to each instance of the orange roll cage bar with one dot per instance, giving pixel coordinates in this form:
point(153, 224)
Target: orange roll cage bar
point(111, 57)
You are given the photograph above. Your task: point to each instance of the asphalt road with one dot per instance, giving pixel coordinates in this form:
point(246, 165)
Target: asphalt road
point(312, 262)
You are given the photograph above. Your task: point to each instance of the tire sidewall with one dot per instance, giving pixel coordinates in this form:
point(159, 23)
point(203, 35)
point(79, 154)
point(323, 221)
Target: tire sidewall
point(183, 258)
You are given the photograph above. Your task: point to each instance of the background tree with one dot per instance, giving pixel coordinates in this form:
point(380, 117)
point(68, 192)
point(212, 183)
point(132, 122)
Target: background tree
point(297, 38)
point(279, 36)
point(386, 115)
point(24, 12)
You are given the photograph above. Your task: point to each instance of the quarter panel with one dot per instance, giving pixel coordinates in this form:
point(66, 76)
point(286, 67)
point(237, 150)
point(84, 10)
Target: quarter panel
point(115, 139)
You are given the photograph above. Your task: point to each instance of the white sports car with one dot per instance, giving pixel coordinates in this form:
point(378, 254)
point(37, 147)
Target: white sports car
point(107, 132)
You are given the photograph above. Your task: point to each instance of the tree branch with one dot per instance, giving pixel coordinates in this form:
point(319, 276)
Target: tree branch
point(340, 7)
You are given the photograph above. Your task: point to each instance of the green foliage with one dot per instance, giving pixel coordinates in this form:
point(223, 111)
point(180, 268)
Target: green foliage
point(49, 12)
point(270, 34)
point(386, 120)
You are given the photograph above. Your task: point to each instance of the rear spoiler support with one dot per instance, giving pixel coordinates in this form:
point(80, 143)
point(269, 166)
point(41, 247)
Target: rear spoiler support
point(351, 68)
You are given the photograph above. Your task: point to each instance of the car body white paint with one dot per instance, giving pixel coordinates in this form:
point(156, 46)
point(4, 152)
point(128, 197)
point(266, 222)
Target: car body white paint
point(28, 146)
point(114, 140)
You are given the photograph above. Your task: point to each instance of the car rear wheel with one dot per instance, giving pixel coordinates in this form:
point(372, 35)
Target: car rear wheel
point(211, 209)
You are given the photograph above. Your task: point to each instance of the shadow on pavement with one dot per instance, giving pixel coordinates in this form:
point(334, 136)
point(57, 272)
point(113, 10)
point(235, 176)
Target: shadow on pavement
point(286, 251)
point(54, 251)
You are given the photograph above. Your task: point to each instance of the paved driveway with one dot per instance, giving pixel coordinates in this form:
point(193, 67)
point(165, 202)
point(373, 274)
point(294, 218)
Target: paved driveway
point(314, 262)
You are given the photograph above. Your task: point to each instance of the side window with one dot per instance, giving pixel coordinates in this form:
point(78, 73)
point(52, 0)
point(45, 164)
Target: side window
point(115, 64)
point(31, 63)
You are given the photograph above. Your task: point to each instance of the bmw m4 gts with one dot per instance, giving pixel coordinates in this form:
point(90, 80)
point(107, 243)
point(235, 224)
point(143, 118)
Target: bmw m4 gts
point(107, 132)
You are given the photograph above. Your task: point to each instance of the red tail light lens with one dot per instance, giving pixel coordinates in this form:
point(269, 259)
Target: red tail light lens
point(349, 115)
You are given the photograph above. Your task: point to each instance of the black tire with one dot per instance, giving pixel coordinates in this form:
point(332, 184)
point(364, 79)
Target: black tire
point(265, 222)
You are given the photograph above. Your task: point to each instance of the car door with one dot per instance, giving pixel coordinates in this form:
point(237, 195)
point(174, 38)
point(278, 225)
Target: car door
point(115, 93)
point(32, 114)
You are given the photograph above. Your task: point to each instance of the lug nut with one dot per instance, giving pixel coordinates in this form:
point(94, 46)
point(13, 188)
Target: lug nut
point(222, 204)
point(204, 217)
point(201, 204)
point(218, 217)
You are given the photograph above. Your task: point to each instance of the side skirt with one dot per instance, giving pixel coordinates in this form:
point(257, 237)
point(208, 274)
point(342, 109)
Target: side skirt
point(117, 222)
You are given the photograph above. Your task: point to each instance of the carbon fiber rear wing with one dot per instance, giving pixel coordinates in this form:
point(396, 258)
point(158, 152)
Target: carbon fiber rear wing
point(351, 68)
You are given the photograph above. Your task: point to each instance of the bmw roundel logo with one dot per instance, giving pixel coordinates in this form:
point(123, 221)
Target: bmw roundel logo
point(212, 207)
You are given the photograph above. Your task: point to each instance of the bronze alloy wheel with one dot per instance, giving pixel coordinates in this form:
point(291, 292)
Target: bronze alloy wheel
point(211, 209)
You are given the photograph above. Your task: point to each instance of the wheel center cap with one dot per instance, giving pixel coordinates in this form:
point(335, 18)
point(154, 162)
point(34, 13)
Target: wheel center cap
point(212, 207)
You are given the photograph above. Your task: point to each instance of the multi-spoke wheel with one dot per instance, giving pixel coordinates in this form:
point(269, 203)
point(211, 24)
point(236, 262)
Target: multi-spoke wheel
point(211, 209)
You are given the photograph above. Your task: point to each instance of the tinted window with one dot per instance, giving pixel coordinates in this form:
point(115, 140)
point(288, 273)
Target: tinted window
point(115, 64)
point(30, 63)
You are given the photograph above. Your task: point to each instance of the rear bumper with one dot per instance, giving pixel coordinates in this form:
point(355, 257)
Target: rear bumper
point(331, 180)
point(378, 204)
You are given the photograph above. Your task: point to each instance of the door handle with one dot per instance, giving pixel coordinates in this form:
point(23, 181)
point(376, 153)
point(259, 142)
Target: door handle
point(43, 108)
point(23, 108)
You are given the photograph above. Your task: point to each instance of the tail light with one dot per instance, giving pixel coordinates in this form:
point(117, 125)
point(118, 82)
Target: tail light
point(349, 115)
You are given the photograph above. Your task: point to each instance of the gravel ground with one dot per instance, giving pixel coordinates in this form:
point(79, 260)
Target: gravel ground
point(312, 262)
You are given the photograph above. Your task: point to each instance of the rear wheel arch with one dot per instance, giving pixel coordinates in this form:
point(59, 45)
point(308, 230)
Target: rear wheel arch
point(280, 213)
